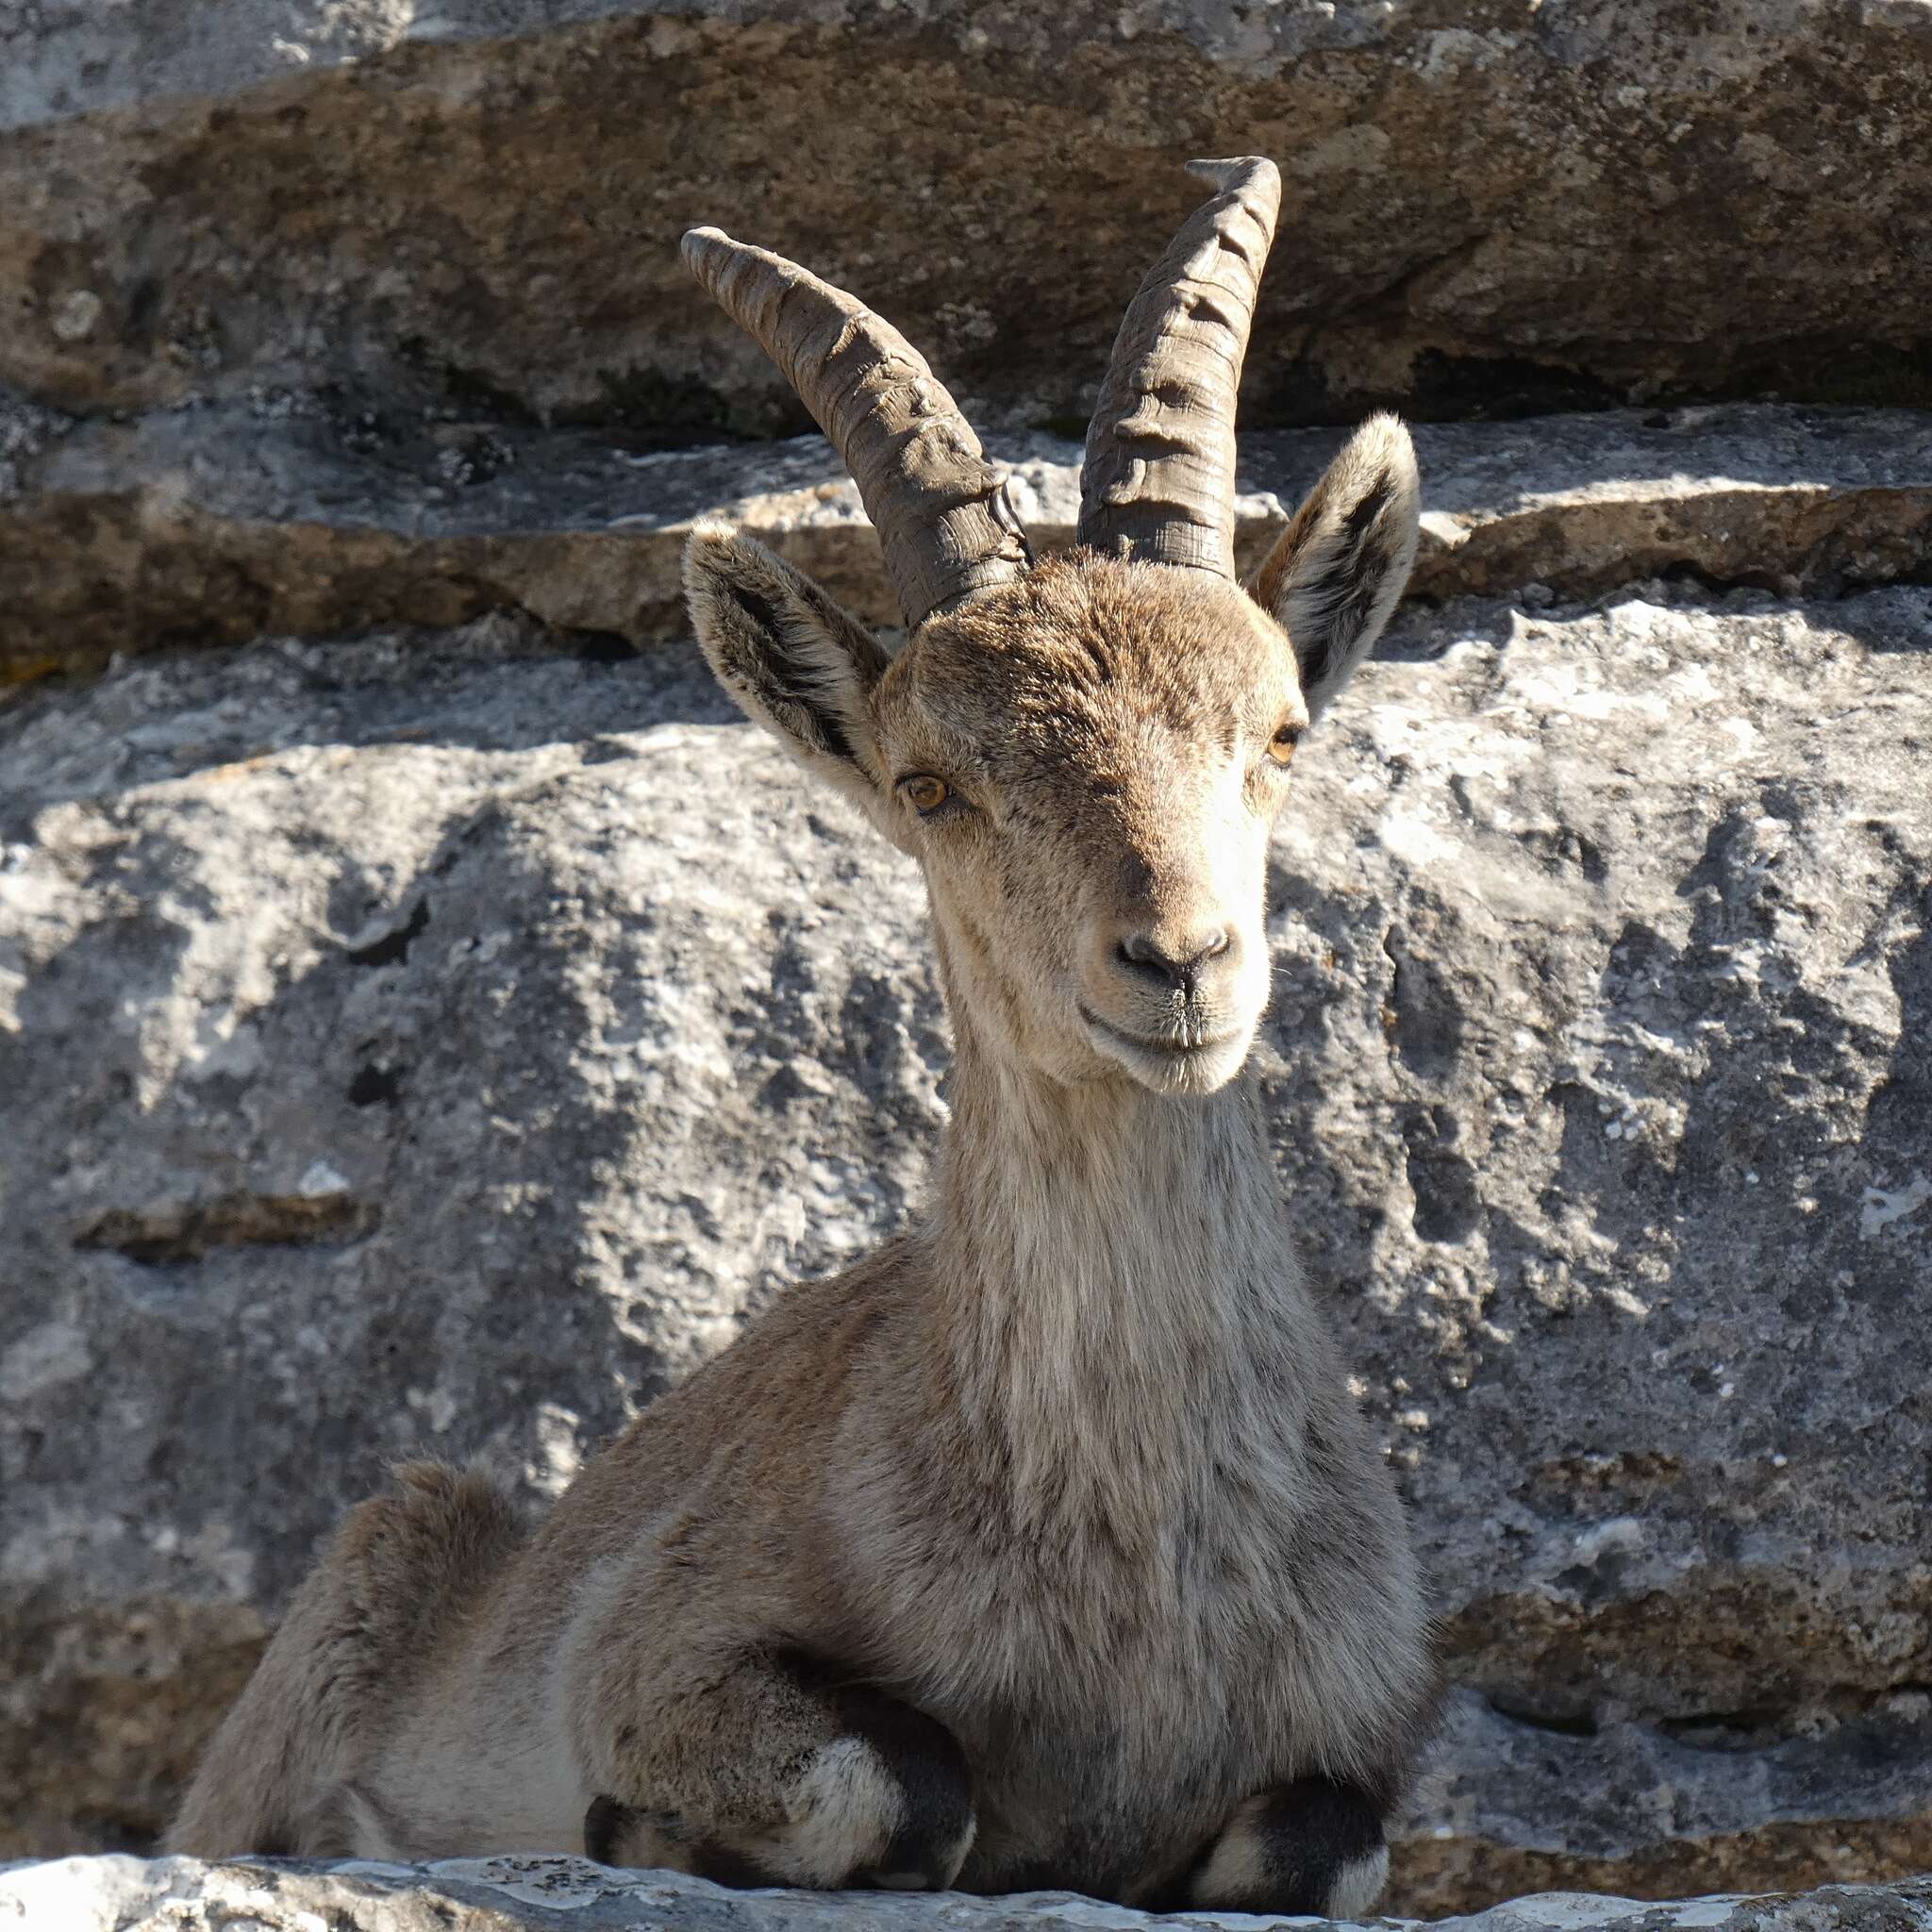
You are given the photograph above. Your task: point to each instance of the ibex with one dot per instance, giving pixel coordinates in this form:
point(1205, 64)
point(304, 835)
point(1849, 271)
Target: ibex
point(1046, 1547)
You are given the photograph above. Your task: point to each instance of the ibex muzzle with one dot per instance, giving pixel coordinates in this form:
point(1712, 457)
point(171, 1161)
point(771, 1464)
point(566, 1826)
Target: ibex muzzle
point(1172, 964)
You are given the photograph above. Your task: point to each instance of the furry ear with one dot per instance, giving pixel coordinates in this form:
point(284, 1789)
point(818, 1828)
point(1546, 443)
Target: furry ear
point(1333, 578)
point(796, 663)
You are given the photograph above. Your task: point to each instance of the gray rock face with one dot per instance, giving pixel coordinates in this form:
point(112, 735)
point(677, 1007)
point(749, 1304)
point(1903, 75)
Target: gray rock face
point(217, 523)
point(532, 1894)
point(121, 1894)
point(1513, 205)
point(437, 1042)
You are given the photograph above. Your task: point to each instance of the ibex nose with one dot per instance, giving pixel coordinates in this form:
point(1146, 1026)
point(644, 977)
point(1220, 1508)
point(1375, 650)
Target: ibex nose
point(1179, 966)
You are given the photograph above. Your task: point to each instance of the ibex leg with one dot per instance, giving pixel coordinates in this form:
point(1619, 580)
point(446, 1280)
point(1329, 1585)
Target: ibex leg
point(1311, 1847)
point(761, 1768)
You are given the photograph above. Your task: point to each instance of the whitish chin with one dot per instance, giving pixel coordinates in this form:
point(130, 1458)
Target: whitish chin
point(1164, 1069)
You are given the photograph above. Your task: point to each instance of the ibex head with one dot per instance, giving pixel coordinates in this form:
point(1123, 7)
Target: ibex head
point(1086, 753)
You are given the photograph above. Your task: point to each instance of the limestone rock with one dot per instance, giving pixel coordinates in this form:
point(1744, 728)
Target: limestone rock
point(1515, 206)
point(122, 1894)
point(217, 523)
point(438, 1042)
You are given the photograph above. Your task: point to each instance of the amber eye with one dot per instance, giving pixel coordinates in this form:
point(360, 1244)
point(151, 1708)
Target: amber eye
point(924, 792)
point(1281, 746)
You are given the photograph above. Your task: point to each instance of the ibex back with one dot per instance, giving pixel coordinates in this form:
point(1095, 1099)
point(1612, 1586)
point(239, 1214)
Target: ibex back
point(1046, 1547)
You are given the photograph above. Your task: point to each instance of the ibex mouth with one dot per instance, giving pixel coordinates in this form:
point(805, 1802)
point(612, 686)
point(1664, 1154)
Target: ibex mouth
point(1190, 1064)
point(1188, 1044)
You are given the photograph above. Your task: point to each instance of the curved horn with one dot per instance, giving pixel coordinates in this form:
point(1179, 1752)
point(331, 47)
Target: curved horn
point(941, 510)
point(1159, 479)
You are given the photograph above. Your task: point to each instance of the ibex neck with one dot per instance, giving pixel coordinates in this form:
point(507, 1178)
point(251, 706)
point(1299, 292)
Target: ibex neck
point(1112, 1274)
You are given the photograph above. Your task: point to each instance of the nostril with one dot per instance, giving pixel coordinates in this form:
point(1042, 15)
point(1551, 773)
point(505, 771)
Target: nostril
point(1143, 954)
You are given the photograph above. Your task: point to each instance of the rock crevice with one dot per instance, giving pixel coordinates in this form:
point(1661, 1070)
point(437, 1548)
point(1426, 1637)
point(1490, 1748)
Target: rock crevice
point(215, 525)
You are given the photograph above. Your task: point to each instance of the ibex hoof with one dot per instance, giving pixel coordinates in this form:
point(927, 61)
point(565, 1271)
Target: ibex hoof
point(1310, 1848)
point(888, 1806)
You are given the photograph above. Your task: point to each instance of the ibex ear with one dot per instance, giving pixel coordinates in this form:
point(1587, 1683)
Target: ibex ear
point(795, 662)
point(1333, 578)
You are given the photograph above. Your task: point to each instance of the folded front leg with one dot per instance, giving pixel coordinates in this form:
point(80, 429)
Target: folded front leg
point(1313, 1847)
point(760, 1768)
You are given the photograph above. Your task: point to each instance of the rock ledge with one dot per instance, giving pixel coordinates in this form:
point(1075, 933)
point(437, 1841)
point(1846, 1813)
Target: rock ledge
point(515, 1894)
point(218, 523)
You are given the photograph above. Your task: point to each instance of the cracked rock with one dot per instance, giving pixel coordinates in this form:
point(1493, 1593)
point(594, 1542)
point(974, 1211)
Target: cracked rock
point(555, 1894)
point(122, 1894)
point(215, 525)
point(1502, 208)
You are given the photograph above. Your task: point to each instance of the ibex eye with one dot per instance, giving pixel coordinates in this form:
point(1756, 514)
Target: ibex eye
point(924, 792)
point(1281, 746)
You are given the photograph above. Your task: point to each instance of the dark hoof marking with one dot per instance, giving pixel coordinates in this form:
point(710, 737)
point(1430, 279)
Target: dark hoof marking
point(926, 1763)
point(923, 1759)
point(606, 1824)
point(621, 1835)
point(1288, 1851)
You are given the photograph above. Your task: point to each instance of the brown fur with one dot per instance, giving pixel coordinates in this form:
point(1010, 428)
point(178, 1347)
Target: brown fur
point(1045, 1547)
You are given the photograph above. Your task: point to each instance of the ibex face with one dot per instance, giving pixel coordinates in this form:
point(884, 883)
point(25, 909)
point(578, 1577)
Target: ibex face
point(1085, 754)
point(1108, 743)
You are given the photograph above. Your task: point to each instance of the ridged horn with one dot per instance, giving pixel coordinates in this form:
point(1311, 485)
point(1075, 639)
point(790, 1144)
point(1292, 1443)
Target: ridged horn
point(1158, 477)
point(939, 507)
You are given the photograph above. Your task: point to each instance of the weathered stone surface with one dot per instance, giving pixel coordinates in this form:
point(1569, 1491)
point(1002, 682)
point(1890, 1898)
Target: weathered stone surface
point(217, 523)
point(438, 1042)
point(122, 1894)
point(1498, 204)
point(1652, 1807)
